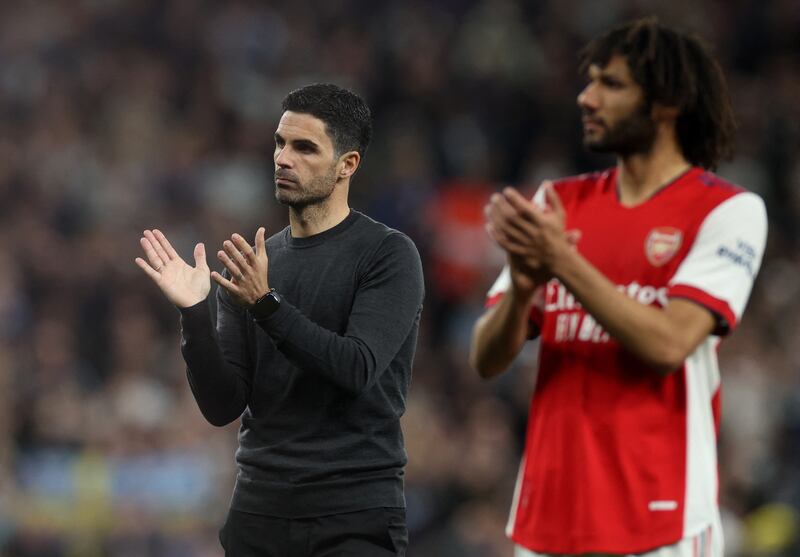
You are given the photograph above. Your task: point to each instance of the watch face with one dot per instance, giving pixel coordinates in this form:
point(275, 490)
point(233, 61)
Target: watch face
point(267, 305)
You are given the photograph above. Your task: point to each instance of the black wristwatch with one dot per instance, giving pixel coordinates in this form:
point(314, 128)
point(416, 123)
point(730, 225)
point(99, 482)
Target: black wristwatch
point(266, 305)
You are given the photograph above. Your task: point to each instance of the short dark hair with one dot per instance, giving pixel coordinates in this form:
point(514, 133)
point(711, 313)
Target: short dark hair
point(347, 118)
point(675, 69)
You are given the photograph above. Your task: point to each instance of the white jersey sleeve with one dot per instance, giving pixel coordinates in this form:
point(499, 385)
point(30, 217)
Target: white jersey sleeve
point(719, 270)
point(500, 286)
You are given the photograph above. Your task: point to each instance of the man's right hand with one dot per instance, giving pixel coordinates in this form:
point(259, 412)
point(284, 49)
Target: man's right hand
point(181, 283)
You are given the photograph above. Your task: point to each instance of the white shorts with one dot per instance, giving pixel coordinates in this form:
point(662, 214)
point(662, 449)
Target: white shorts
point(707, 543)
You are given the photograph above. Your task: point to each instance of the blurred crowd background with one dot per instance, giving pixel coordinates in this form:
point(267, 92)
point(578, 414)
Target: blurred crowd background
point(120, 115)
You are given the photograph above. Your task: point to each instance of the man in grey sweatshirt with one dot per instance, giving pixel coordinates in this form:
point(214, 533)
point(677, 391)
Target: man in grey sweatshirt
point(315, 335)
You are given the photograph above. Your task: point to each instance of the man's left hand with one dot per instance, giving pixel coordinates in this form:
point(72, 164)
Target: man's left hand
point(248, 268)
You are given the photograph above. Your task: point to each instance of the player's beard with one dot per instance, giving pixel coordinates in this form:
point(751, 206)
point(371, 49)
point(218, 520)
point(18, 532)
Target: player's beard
point(300, 196)
point(633, 134)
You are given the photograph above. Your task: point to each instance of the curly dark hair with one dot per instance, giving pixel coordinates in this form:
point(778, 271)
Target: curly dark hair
point(674, 69)
point(347, 118)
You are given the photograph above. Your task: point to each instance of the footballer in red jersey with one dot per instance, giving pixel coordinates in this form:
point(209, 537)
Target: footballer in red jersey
point(630, 277)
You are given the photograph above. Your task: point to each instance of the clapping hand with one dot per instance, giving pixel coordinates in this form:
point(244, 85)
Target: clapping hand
point(532, 237)
point(181, 283)
point(248, 268)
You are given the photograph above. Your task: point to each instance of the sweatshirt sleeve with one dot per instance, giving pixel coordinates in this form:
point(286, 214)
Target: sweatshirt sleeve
point(387, 303)
point(217, 361)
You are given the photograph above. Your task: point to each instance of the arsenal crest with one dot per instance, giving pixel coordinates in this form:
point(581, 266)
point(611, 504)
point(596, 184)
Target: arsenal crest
point(662, 244)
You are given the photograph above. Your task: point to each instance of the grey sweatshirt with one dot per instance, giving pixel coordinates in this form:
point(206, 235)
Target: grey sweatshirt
point(321, 384)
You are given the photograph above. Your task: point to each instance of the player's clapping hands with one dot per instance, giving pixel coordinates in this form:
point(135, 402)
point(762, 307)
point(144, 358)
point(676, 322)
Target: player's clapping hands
point(248, 268)
point(181, 283)
point(533, 237)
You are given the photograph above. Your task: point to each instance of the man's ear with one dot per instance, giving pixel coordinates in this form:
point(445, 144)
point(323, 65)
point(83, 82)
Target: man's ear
point(348, 164)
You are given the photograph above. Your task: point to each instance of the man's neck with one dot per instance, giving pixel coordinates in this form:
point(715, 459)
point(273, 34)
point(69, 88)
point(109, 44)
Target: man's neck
point(641, 175)
point(313, 219)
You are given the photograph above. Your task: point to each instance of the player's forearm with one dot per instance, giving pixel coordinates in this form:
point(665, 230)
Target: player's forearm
point(220, 392)
point(646, 331)
point(499, 335)
point(346, 361)
point(385, 310)
point(355, 360)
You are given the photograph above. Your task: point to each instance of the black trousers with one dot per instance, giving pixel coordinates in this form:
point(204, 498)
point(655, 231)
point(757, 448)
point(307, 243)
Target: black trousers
point(371, 533)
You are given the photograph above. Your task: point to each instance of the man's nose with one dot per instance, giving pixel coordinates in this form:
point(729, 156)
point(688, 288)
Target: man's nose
point(587, 99)
point(283, 158)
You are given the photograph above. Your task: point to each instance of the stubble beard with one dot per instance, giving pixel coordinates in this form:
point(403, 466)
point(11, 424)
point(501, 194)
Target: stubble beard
point(634, 134)
point(315, 192)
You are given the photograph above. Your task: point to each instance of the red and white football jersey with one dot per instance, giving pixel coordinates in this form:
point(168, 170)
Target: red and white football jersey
point(619, 459)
